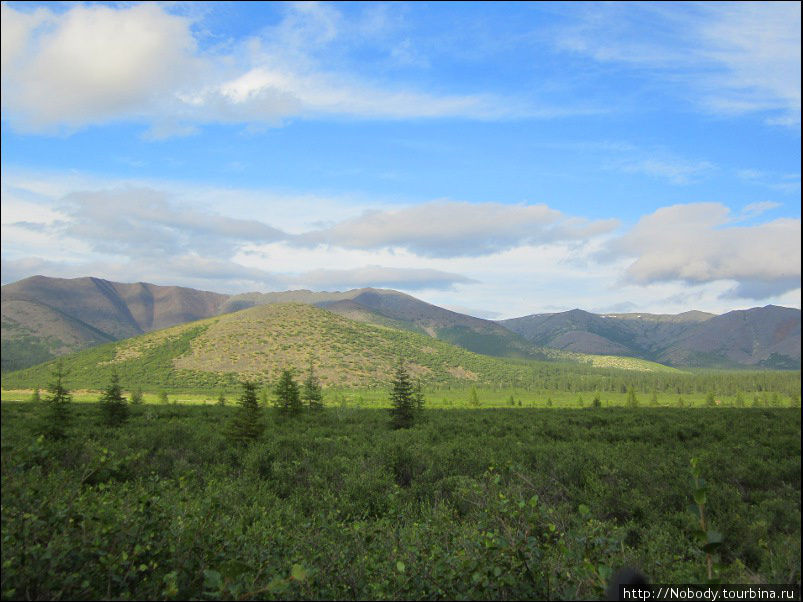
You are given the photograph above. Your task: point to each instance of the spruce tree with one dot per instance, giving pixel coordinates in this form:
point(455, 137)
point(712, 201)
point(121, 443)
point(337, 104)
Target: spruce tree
point(57, 412)
point(113, 406)
point(311, 391)
point(418, 396)
point(288, 398)
point(136, 396)
point(247, 423)
point(402, 400)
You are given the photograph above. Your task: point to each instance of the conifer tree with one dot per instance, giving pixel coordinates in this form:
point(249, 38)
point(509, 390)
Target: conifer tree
point(221, 399)
point(57, 413)
point(114, 408)
point(247, 423)
point(418, 396)
point(311, 391)
point(402, 400)
point(136, 396)
point(632, 400)
point(288, 398)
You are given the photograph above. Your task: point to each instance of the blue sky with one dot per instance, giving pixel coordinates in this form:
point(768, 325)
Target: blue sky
point(497, 158)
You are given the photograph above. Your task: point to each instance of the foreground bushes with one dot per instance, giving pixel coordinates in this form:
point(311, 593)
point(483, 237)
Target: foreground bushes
point(470, 504)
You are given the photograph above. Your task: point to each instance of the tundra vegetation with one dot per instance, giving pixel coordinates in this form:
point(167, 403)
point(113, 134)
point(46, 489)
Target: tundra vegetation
point(188, 501)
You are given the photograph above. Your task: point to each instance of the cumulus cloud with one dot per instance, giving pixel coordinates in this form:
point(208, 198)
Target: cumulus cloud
point(380, 277)
point(697, 243)
point(452, 228)
point(93, 64)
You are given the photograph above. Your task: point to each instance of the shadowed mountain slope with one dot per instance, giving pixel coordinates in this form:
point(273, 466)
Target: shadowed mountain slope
point(54, 316)
point(759, 337)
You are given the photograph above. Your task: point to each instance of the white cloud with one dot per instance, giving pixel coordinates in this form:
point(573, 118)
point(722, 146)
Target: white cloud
point(94, 64)
point(729, 57)
point(694, 243)
point(216, 239)
point(757, 208)
point(380, 277)
point(677, 171)
point(147, 222)
point(452, 228)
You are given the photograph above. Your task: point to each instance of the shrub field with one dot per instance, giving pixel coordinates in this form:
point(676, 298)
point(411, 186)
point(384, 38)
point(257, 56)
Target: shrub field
point(495, 503)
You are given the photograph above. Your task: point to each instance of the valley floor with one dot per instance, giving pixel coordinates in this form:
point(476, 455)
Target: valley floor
point(523, 503)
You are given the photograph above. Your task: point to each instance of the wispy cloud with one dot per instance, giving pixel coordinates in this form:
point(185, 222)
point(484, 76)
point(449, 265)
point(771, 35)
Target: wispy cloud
point(380, 277)
point(727, 57)
point(675, 170)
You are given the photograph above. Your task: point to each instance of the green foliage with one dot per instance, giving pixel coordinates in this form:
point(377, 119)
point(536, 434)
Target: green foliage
point(654, 398)
point(473, 398)
point(221, 399)
point(402, 399)
point(288, 397)
point(709, 399)
point(632, 400)
point(247, 424)
point(708, 539)
point(311, 392)
point(475, 504)
point(113, 406)
point(36, 397)
point(418, 396)
point(596, 403)
point(163, 398)
point(136, 396)
point(57, 414)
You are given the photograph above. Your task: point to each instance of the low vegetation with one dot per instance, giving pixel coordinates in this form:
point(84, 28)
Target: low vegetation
point(477, 504)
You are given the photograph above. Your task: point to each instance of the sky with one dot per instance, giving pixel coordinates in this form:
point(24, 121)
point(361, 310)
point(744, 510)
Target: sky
point(498, 159)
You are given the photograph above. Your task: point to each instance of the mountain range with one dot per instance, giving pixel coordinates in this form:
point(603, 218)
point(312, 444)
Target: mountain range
point(46, 317)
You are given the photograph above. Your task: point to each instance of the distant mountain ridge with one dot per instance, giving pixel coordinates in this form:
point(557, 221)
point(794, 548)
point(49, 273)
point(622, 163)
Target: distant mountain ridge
point(46, 317)
point(761, 337)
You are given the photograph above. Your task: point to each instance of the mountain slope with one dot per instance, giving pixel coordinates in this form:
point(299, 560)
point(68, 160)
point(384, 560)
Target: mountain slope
point(46, 317)
point(392, 308)
point(763, 336)
point(759, 337)
point(259, 342)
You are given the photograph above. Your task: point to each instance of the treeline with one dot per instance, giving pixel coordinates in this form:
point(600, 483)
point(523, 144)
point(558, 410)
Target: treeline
point(574, 378)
